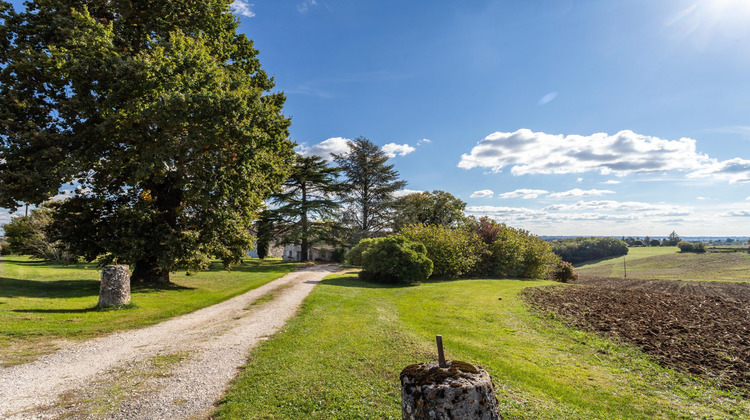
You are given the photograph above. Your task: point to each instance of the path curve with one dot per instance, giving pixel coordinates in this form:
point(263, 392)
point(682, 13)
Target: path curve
point(205, 347)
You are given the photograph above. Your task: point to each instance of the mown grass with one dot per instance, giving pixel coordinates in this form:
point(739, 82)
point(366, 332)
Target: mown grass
point(341, 358)
point(667, 263)
point(41, 303)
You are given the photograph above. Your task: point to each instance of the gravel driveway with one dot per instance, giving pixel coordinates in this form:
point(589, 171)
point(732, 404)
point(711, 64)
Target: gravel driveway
point(176, 369)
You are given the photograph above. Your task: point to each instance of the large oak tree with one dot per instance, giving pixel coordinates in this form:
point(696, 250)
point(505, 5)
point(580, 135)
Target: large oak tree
point(161, 113)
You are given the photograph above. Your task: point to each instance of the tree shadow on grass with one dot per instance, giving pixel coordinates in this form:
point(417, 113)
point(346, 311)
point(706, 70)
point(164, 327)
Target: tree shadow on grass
point(349, 281)
point(48, 289)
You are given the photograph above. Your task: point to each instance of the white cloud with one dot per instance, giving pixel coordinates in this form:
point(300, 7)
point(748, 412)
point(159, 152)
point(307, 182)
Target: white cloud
point(548, 98)
point(424, 141)
point(392, 149)
point(577, 192)
point(528, 152)
point(326, 148)
point(611, 182)
point(734, 170)
point(401, 193)
point(579, 180)
point(305, 5)
point(482, 194)
point(701, 198)
point(524, 193)
point(243, 8)
point(618, 206)
point(736, 213)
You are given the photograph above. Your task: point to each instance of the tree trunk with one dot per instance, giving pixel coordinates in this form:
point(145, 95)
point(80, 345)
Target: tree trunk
point(303, 244)
point(147, 272)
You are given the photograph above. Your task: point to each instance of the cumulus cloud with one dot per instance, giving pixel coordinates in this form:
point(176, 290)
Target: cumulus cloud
point(392, 149)
point(737, 213)
point(326, 148)
point(243, 8)
point(528, 152)
point(611, 182)
point(482, 194)
point(406, 191)
point(701, 198)
point(619, 206)
point(524, 193)
point(734, 170)
point(424, 141)
point(577, 192)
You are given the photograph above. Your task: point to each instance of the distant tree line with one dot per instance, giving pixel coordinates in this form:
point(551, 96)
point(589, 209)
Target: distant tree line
point(577, 250)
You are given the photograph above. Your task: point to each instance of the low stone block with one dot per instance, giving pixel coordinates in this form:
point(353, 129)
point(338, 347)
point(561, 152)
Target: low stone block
point(458, 391)
point(114, 289)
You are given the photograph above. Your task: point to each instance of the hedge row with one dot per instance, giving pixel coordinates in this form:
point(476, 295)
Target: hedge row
point(484, 249)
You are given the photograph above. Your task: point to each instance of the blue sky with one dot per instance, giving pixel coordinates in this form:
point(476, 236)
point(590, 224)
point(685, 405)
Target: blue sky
point(561, 117)
point(628, 117)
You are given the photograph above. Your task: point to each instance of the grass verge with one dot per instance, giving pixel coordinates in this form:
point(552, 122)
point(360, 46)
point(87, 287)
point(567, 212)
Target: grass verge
point(341, 358)
point(42, 303)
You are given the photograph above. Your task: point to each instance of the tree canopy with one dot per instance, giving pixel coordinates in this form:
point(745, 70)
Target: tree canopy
point(159, 110)
point(428, 208)
point(368, 189)
point(307, 203)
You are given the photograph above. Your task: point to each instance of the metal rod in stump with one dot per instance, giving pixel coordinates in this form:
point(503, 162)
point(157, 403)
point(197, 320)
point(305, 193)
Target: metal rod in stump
point(441, 355)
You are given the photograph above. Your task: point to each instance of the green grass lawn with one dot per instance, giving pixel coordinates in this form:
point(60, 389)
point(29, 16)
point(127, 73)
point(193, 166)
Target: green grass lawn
point(341, 358)
point(667, 263)
point(41, 303)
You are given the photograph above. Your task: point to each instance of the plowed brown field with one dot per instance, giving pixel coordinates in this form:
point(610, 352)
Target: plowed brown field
point(698, 327)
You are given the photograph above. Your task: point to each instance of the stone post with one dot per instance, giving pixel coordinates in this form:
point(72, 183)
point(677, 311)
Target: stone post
point(114, 289)
point(458, 391)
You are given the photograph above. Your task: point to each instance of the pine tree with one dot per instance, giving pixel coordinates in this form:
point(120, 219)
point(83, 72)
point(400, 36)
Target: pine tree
point(306, 203)
point(369, 187)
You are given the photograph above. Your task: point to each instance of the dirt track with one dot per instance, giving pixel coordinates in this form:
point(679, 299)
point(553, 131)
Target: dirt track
point(172, 370)
point(697, 327)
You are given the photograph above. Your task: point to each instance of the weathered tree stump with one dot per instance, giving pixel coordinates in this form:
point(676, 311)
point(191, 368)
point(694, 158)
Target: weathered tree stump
point(458, 391)
point(114, 289)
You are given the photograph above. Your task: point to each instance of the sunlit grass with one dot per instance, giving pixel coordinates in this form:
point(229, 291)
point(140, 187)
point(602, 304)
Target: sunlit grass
point(42, 302)
point(667, 263)
point(341, 358)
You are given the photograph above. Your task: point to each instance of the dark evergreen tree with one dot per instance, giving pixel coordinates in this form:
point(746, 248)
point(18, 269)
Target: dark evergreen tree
point(307, 203)
point(368, 190)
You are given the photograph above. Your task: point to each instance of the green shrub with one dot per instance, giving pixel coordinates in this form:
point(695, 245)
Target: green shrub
point(395, 259)
point(655, 242)
point(354, 256)
point(4, 248)
point(685, 246)
point(512, 252)
point(454, 252)
point(338, 255)
point(29, 235)
point(577, 250)
point(563, 272)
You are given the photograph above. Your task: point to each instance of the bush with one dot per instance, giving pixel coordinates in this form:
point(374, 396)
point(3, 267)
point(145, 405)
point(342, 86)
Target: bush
point(582, 249)
point(454, 252)
point(4, 248)
point(685, 246)
point(354, 256)
point(698, 248)
point(655, 242)
point(29, 235)
point(338, 255)
point(512, 252)
point(563, 272)
point(395, 259)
